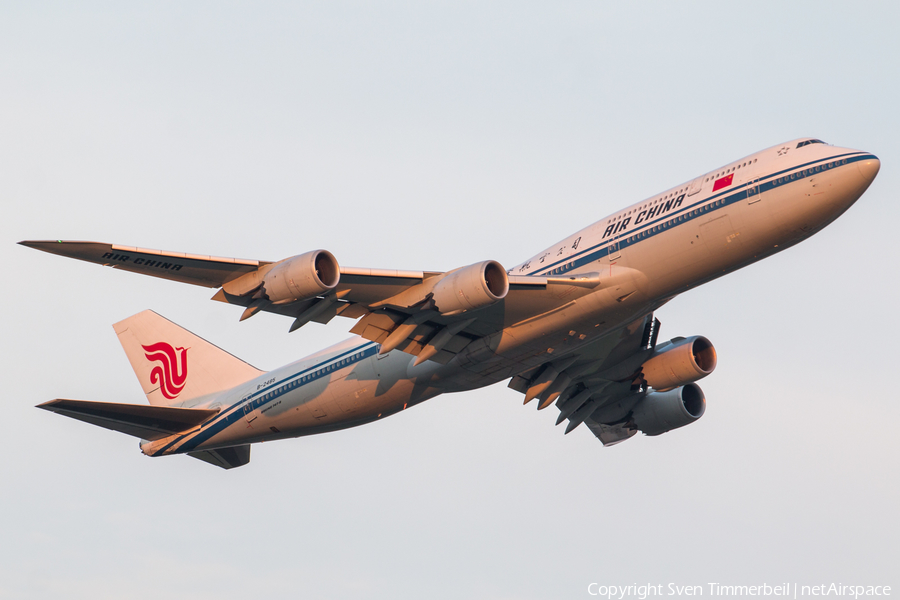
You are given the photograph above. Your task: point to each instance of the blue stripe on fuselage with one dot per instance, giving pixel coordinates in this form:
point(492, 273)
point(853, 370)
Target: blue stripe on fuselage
point(728, 197)
point(264, 396)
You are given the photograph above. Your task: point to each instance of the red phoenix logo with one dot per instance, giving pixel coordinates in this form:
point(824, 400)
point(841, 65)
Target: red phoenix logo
point(169, 376)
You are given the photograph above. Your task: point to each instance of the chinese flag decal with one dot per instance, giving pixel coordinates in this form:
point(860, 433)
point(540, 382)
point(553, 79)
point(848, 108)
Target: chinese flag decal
point(723, 182)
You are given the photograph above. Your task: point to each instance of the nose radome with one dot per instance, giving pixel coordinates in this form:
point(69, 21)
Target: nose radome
point(868, 168)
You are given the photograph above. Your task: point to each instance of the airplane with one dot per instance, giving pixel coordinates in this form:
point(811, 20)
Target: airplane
point(573, 325)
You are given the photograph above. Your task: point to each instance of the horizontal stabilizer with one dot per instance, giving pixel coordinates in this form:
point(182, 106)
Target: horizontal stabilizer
point(227, 458)
point(145, 422)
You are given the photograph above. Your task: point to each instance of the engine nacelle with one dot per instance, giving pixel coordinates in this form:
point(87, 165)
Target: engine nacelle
point(468, 288)
point(679, 363)
point(302, 277)
point(660, 412)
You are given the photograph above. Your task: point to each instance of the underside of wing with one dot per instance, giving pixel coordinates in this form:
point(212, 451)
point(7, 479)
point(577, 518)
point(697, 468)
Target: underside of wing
point(625, 382)
point(602, 374)
point(419, 321)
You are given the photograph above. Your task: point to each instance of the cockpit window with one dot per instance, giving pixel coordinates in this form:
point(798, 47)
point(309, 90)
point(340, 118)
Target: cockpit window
point(808, 142)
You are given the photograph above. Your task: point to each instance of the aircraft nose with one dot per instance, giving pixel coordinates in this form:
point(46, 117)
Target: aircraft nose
point(869, 169)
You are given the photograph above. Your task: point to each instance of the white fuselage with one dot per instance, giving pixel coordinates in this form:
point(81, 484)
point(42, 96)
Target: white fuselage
point(645, 254)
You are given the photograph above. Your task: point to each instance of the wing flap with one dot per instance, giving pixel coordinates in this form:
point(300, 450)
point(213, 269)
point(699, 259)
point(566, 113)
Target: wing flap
point(143, 421)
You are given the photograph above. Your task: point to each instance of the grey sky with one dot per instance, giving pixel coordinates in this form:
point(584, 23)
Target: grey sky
point(429, 136)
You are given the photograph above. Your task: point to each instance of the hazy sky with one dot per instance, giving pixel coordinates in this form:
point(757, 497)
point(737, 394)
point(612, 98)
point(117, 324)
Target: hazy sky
point(419, 135)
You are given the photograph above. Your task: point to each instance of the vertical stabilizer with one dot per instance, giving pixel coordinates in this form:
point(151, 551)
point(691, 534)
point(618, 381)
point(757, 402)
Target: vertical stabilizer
point(173, 365)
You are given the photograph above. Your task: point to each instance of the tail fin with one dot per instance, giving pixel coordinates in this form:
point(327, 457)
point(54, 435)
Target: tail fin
point(173, 365)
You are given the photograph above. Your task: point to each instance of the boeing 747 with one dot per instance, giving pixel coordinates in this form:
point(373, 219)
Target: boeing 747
point(572, 326)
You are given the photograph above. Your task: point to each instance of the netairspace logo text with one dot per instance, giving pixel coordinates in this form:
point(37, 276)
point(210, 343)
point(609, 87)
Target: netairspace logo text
point(717, 590)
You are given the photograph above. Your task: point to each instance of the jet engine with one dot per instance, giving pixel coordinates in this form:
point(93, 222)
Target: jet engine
point(468, 288)
point(679, 362)
point(660, 412)
point(302, 277)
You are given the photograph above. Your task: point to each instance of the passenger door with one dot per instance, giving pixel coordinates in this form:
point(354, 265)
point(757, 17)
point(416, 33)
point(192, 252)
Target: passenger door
point(750, 175)
point(613, 249)
point(696, 185)
point(248, 405)
point(753, 195)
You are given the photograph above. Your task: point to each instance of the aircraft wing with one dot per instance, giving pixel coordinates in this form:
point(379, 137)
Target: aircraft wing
point(390, 306)
point(604, 372)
